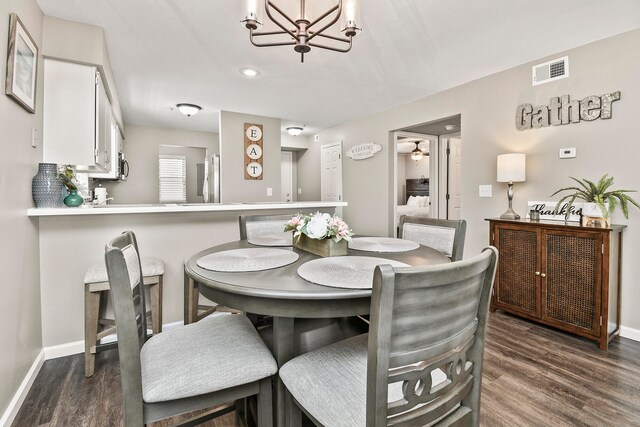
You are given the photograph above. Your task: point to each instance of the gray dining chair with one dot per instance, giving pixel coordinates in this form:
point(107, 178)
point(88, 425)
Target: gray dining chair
point(217, 360)
point(420, 364)
point(444, 235)
point(262, 225)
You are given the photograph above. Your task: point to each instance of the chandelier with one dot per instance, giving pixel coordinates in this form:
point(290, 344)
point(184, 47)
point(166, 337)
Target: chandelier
point(302, 32)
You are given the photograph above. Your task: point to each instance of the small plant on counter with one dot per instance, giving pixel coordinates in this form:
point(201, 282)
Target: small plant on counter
point(68, 177)
point(600, 194)
point(319, 226)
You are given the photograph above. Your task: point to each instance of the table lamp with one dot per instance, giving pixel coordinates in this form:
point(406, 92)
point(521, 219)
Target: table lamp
point(511, 168)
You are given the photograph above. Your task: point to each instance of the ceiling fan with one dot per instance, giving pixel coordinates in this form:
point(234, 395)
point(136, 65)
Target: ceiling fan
point(417, 153)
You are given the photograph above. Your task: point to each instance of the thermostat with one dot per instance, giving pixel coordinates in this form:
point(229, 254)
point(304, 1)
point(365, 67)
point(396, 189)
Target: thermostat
point(567, 153)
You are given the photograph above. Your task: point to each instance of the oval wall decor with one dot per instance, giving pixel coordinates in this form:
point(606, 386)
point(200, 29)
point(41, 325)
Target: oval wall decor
point(364, 151)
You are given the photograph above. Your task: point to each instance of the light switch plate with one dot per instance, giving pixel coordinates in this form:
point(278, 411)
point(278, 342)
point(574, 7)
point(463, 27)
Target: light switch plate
point(316, 137)
point(299, 190)
point(567, 153)
point(484, 190)
point(269, 191)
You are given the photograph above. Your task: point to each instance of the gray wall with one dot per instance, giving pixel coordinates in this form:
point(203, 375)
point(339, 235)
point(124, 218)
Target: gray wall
point(309, 172)
point(20, 333)
point(234, 188)
point(488, 128)
point(141, 150)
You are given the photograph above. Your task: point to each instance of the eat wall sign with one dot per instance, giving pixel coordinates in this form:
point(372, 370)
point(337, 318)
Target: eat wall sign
point(252, 151)
point(562, 111)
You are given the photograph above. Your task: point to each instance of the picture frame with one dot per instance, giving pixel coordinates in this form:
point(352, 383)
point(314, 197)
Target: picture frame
point(22, 65)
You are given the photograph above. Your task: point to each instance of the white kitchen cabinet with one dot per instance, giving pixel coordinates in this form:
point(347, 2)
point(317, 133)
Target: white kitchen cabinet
point(77, 117)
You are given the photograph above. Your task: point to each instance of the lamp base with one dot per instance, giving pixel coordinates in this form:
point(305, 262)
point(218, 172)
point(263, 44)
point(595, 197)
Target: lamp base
point(509, 214)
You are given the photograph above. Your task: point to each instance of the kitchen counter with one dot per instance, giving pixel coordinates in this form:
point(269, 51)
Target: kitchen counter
point(183, 207)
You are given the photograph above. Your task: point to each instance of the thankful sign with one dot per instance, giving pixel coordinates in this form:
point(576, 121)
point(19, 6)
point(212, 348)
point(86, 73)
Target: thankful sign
point(547, 210)
point(563, 111)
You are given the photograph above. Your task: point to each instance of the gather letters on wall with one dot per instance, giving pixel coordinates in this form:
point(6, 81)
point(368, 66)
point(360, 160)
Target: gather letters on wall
point(563, 111)
point(252, 151)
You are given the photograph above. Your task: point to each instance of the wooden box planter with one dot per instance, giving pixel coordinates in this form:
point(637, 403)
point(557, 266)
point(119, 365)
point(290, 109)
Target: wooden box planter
point(323, 248)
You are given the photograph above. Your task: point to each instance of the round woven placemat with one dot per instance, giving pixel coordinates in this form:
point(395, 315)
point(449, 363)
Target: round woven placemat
point(241, 260)
point(382, 244)
point(280, 239)
point(352, 272)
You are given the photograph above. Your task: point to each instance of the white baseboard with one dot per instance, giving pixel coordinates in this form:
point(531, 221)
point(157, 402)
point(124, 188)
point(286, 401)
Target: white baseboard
point(21, 394)
point(68, 349)
point(62, 350)
point(631, 333)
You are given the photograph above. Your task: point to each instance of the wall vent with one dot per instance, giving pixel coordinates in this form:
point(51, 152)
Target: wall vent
point(549, 71)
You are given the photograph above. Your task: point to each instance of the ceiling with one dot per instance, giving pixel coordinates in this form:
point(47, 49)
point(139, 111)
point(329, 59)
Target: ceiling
point(164, 52)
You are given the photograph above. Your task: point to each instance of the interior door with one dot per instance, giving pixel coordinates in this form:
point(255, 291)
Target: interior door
point(331, 172)
point(455, 176)
point(286, 176)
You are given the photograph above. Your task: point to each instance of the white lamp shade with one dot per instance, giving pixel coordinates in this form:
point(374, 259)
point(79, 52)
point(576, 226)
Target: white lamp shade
point(511, 167)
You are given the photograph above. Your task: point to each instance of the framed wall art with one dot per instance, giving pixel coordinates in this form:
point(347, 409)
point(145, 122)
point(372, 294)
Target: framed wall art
point(22, 65)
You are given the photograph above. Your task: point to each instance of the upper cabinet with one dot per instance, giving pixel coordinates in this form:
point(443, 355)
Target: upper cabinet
point(82, 118)
point(76, 116)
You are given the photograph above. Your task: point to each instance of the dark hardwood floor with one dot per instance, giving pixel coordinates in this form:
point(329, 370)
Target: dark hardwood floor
point(533, 376)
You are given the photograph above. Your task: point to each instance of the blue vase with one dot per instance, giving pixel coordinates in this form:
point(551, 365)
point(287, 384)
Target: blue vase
point(46, 187)
point(73, 200)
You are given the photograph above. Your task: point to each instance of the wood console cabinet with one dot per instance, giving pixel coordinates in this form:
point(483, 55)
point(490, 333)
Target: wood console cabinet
point(560, 274)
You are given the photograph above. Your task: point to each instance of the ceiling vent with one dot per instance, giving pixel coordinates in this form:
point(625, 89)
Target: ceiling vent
point(550, 71)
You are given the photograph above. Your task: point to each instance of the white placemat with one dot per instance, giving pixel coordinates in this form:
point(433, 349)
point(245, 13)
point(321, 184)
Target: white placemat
point(382, 244)
point(240, 260)
point(280, 239)
point(353, 272)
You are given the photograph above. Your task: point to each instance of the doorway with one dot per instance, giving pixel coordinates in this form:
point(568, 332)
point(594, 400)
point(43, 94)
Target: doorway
point(441, 142)
point(331, 172)
point(286, 176)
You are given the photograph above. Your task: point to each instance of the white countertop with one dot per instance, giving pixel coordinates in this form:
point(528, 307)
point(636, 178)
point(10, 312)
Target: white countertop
point(166, 208)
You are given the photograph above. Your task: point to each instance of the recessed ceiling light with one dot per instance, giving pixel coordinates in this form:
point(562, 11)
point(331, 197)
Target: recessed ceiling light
point(189, 109)
point(450, 127)
point(249, 72)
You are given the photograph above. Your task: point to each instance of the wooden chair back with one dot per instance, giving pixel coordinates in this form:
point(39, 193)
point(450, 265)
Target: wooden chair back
point(127, 293)
point(260, 225)
point(444, 235)
point(424, 319)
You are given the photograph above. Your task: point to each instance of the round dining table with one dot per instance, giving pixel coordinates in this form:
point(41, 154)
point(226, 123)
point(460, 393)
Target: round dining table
point(283, 294)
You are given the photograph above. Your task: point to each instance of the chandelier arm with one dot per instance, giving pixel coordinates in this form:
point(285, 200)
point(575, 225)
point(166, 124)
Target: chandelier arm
point(326, 36)
point(269, 33)
point(268, 5)
point(335, 49)
point(337, 7)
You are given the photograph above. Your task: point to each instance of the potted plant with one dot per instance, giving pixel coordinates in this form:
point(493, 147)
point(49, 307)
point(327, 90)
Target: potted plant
point(601, 200)
point(67, 175)
point(320, 233)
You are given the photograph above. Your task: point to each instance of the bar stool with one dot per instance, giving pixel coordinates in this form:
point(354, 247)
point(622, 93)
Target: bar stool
point(96, 325)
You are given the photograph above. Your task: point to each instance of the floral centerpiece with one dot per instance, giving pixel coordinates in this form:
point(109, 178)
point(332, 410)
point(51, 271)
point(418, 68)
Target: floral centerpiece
point(320, 233)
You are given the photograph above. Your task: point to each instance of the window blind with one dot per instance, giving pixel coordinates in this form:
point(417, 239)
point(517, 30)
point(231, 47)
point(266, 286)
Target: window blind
point(172, 178)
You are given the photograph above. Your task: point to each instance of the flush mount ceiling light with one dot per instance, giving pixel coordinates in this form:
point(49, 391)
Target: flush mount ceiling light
point(249, 72)
point(416, 153)
point(189, 109)
point(294, 130)
point(301, 31)
point(450, 127)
